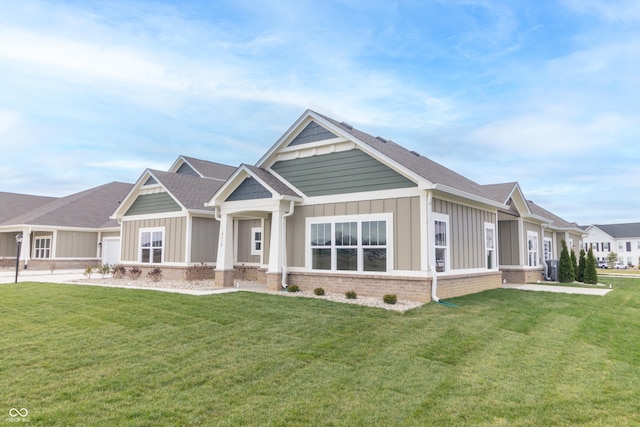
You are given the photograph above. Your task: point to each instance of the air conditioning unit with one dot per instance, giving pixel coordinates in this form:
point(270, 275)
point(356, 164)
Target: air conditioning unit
point(552, 269)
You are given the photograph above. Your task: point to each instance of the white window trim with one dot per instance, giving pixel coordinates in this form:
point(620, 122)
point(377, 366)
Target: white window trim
point(536, 259)
point(388, 217)
point(254, 251)
point(490, 226)
point(447, 258)
point(163, 247)
point(36, 250)
point(550, 241)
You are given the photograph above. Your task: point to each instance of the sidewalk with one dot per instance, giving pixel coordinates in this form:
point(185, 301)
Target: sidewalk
point(560, 289)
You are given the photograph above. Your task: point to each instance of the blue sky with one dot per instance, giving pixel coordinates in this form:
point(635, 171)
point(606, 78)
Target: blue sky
point(540, 92)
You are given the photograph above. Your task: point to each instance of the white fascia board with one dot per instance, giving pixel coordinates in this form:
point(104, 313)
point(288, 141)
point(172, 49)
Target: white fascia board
point(363, 196)
point(128, 199)
point(308, 114)
point(163, 215)
point(469, 196)
point(32, 227)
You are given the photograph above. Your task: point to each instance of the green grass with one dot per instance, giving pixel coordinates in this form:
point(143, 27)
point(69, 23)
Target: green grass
point(80, 355)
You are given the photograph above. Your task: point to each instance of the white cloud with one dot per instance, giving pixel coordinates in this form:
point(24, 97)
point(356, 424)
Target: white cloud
point(610, 10)
point(9, 120)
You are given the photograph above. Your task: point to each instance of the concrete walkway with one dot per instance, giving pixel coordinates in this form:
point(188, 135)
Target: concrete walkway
point(560, 289)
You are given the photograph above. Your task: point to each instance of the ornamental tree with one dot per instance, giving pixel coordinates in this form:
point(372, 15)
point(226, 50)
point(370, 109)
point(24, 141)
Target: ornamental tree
point(566, 274)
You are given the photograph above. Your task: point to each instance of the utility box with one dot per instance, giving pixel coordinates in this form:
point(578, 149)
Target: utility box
point(552, 269)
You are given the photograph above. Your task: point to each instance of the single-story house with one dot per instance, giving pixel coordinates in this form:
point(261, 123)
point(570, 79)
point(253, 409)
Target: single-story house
point(65, 232)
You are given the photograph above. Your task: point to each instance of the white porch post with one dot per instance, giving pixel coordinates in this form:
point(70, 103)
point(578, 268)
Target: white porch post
point(225, 239)
point(275, 244)
point(25, 249)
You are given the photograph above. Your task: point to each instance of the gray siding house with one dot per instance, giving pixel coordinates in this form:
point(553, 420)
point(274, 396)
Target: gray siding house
point(66, 232)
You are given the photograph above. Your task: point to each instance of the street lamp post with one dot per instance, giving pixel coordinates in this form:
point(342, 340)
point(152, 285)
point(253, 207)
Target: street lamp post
point(19, 244)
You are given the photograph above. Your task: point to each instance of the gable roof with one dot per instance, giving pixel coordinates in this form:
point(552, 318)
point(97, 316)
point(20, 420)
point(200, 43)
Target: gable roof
point(204, 168)
point(190, 192)
point(87, 209)
point(419, 168)
point(556, 221)
point(13, 204)
point(620, 231)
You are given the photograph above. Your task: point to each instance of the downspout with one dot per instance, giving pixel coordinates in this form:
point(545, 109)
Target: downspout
point(432, 270)
point(284, 244)
point(544, 261)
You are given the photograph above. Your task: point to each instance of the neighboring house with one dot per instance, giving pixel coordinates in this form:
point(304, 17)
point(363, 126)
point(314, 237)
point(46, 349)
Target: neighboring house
point(64, 232)
point(623, 239)
point(529, 235)
point(164, 220)
point(330, 206)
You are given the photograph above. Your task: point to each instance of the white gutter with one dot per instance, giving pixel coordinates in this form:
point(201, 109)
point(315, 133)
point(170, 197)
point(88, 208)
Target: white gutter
point(544, 261)
point(284, 243)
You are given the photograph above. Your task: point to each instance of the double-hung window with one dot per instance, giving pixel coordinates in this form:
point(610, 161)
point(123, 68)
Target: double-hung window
point(532, 248)
point(42, 247)
point(151, 245)
point(256, 241)
point(490, 244)
point(548, 249)
point(350, 243)
point(441, 242)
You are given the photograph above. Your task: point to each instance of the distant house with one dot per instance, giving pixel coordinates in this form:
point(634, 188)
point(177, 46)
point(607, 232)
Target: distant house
point(65, 232)
point(622, 239)
point(164, 220)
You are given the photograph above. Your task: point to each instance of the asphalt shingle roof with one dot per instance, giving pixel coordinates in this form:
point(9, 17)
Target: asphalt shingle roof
point(280, 187)
point(619, 231)
point(12, 204)
point(87, 209)
point(190, 191)
point(210, 169)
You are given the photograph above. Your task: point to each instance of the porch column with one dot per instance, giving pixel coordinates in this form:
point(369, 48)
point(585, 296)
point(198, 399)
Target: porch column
point(25, 249)
point(274, 272)
point(224, 263)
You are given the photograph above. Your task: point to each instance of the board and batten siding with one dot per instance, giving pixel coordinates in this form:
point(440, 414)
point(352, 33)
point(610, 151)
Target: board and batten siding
point(174, 238)
point(406, 226)
point(343, 172)
point(204, 239)
point(508, 243)
point(76, 244)
point(8, 245)
point(466, 228)
point(110, 234)
point(244, 240)
point(153, 203)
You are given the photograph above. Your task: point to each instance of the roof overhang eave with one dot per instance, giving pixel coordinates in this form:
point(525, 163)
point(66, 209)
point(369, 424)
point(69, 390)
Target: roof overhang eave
point(469, 196)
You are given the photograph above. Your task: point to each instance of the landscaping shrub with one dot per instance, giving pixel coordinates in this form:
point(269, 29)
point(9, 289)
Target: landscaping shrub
point(351, 295)
point(88, 271)
point(119, 271)
point(566, 274)
point(590, 273)
point(318, 291)
point(196, 273)
point(104, 269)
point(135, 273)
point(293, 288)
point(390, 299)
point(155, 274)
point(581, 266)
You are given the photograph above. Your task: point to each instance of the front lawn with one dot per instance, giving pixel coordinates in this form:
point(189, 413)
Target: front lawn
point(81, 355)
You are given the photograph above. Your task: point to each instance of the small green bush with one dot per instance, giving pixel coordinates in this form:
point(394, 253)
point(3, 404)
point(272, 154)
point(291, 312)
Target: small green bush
point(88, 271)
point(104, 269)
point(134, 273)
point(293, 288)
point(351, 295)
point(318, 291)
point(390, 299)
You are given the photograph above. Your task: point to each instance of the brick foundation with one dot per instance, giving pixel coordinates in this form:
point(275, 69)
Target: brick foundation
point(522, 275)
point(224, 278)
point(455, 286)
point(52, 264)
point(274, 281)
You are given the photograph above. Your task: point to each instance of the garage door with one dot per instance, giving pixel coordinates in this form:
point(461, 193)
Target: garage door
point(111, 251)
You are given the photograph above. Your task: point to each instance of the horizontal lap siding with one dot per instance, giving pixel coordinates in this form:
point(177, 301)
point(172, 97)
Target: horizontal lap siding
point(174, 236)
point(466, 226)
point(244, 240)
point(153, 203)
point(339, 173)
point(406, 231)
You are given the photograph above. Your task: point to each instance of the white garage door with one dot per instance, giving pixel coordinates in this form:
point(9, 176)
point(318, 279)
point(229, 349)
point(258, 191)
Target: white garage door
point(111, 251)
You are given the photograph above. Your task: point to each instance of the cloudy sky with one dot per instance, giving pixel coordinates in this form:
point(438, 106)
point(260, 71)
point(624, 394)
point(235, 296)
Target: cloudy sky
point(541, 92)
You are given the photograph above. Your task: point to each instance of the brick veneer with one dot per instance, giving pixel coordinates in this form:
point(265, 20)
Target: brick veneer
point(522, 275)
point(464, 284)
